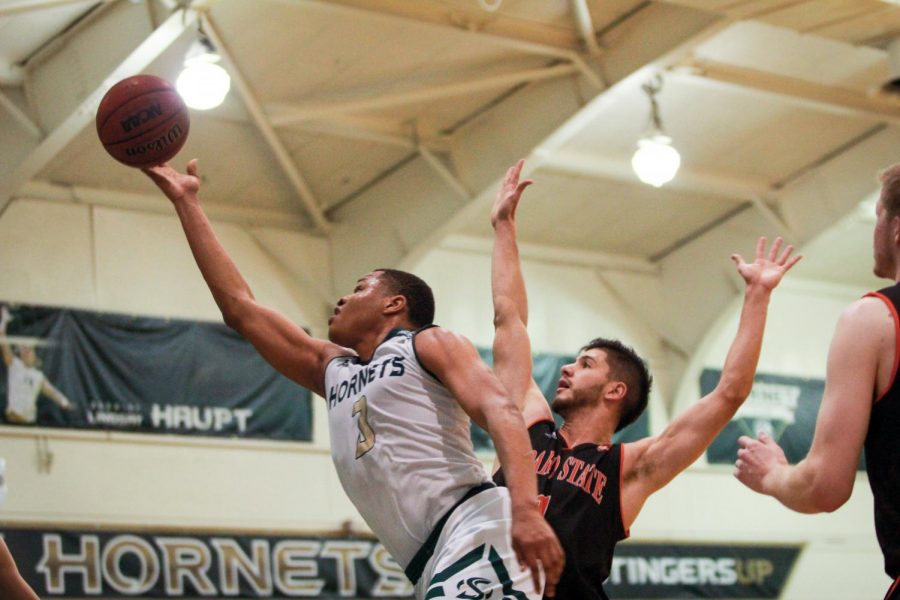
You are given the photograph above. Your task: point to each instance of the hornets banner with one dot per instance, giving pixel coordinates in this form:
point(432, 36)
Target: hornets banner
point(119, 564)
point(76, 368)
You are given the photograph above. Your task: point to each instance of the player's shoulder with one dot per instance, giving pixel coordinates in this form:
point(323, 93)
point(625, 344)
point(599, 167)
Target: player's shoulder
point(867, 312)
point(435, 335)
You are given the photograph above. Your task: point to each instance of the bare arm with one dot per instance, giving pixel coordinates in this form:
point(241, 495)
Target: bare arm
point(651, 463)
point(12, 586)
point(823, 481)
point(4, 342)
point(455, 361)
point(281, 342)
point(49, 390)
point(512, 347)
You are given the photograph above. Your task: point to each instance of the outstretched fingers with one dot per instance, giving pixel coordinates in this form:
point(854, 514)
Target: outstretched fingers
point(761, 247)
point(776, 246)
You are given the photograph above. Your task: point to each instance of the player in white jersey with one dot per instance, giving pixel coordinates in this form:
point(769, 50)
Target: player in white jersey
point(24, 380)
point(399, 394)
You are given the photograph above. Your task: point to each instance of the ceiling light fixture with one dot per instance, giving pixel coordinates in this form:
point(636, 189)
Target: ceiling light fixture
point(655, 161)
point(203, 83)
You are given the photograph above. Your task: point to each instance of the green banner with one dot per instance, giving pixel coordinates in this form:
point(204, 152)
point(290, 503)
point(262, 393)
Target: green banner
point(782, 406)
point(651, 571)
point(127, 564)
point(91, 370)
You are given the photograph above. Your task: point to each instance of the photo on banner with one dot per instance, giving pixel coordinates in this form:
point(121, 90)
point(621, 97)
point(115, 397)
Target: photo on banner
point(90, 370)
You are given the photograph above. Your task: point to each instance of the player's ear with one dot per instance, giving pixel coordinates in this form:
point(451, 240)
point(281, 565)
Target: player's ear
point(394, 305)
point(615, 390)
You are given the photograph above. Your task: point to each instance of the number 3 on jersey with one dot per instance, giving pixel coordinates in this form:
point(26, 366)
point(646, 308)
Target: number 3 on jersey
point(366, 439)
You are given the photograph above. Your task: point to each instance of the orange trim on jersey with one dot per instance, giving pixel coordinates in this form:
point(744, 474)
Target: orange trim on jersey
point(621, 470)
point(893, 588)
point(896, 319)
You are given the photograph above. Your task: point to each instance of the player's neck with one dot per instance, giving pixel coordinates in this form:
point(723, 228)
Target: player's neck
point(373, 338)
point(589, 427)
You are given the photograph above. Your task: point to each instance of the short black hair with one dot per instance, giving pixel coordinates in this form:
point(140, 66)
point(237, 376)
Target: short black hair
point(418, 294)
point(627, 366)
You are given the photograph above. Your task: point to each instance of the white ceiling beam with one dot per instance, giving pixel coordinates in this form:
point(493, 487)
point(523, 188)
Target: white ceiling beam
point(83, 115)
point(289, 276)
point(585, 26)
point(774, 218)
point(16, 8)
point(355, 132)
point(393, 11)
point(153, 204)
point(11, 75)
point(448, 176)
point(283, 115)
point(633, 68)
point(282, 156)
point(619, 169)
point(424, 20)
point(379, 131)
point(16, 113)
point(835, 100)
point(555, 255)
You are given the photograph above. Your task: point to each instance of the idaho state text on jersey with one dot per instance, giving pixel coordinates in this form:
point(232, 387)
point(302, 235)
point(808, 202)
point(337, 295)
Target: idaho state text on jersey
point(357, 383)
point(573, 471)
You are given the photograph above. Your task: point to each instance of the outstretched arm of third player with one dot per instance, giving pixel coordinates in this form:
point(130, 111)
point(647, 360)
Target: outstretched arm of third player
point(651, 463)
point(512, 347)
point(823, 480)
point(281, 342)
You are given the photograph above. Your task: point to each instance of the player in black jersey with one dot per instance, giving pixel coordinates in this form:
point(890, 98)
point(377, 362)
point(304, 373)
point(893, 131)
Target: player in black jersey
point(591, 490)
point(860, 406)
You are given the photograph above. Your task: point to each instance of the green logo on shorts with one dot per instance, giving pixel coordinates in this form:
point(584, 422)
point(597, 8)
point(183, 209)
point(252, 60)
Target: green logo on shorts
point(476, 588)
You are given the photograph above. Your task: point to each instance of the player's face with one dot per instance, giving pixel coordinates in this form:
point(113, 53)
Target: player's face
point(358, 311)
point(28, 356)
point(883, 242)
point(582, 382)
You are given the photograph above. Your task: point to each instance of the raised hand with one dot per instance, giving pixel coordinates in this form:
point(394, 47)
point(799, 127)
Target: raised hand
point(509, 193)
point(766, 271)
point(757, 460)
point(176, 186)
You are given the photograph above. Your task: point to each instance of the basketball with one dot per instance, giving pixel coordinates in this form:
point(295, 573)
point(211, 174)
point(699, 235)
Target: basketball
point(142, 121)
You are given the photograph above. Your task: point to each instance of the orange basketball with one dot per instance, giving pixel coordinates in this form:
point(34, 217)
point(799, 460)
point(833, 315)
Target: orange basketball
point(142, 121)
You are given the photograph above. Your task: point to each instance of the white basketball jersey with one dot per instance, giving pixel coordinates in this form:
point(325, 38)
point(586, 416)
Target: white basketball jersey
point(400, 443)
point(23, 386)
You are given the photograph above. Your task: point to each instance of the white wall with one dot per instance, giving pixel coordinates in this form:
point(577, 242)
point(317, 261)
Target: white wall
point(111, 260)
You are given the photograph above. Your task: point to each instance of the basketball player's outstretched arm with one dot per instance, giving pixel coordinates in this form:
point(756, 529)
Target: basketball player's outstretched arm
point(651, 463)
point(860, 357)
point(280, 341)
point(454, 360)
point(512, 347)
point(60, 399)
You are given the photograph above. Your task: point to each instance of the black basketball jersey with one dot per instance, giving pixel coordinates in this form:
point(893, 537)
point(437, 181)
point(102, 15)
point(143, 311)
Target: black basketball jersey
point(579, 493)
point(883, 451)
